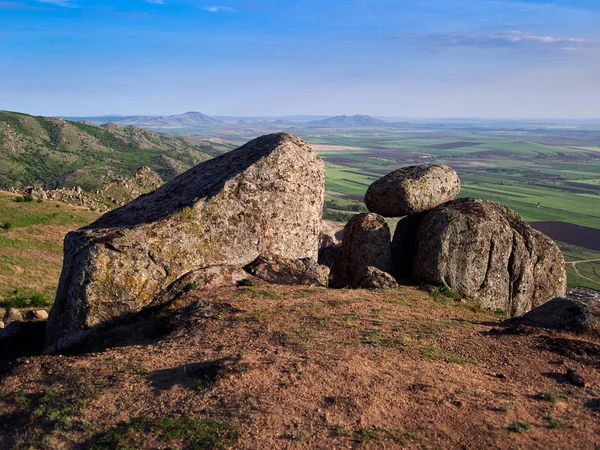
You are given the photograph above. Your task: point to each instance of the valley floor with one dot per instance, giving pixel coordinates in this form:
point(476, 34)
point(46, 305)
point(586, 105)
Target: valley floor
point(278, 367)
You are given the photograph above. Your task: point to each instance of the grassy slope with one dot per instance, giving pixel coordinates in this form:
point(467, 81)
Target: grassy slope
point(52, 152)
point(31, 249)
point(277, 367)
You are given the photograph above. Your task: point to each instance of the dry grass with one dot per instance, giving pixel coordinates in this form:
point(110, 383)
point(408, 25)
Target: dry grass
point(277, 367)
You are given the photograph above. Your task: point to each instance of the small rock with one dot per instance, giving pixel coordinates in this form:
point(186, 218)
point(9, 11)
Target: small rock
point(1, 325)
point(277, 270)
point(373, 278)
point(575, 378)
point(37, 315)
point(12, 315)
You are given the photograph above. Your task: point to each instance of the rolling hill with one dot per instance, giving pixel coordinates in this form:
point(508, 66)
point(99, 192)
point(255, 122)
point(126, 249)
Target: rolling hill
point(189, 119)
point(357, 121)
point(52, 152)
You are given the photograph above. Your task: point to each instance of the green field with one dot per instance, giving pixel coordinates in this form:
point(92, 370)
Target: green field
point(31, 250)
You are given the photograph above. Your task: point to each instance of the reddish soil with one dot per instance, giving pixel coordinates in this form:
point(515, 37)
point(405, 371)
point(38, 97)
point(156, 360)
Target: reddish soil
point(453, 145)
point(310, 368)
point(570, 233)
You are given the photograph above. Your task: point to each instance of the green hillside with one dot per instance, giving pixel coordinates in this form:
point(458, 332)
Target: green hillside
point(52, 152)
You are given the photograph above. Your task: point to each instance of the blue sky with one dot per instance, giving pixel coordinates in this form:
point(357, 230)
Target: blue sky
point(400, 58)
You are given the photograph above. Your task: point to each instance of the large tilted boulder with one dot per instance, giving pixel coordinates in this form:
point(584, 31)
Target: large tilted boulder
point(413, 189)
point(367, 242)
point(264, 197)
point(484, 251)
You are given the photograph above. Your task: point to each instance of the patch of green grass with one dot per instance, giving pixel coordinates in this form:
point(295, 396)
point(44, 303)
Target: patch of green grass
point(167, 432)
point(548, 396)
point(442, 294)
point(374, 337)
point(25, 298)
point(519, 427)
point(556, 423)
point(431, 352)
point(247, 282)
point(25, 198)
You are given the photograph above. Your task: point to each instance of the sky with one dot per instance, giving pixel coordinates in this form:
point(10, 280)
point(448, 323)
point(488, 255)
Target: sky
point(394, 58)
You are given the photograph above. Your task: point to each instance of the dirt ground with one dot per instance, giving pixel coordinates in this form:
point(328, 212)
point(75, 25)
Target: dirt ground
point(278, 367)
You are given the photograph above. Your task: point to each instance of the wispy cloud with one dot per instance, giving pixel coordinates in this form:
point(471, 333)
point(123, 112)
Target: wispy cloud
point(490, 40)
point(64, 3)
point(18, 5)
point(216, 9)
point(156, 2)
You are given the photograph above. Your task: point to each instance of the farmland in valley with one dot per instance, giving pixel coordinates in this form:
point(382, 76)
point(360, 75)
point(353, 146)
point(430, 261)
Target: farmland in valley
point(546, 177)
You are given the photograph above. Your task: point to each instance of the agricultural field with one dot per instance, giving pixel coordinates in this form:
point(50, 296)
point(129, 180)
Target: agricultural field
point(553, 184)
point(31, 248)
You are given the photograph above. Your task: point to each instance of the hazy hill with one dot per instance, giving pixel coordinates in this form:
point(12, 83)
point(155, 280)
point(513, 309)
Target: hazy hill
point(52, 152)
point(357, 121)
point(189, 119)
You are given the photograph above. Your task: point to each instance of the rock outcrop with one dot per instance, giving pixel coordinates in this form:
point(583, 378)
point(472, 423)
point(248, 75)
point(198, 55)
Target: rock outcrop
point(484, 251)
point(367, 242)
point(265, 197)
point(274, 270)
point(563, 314)
point(413, 189)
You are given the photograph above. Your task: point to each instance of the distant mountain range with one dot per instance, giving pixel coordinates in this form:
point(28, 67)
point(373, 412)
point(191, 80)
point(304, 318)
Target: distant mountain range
point(189, 119)
point(202, 121)
point(52, 152)
point(357, 121)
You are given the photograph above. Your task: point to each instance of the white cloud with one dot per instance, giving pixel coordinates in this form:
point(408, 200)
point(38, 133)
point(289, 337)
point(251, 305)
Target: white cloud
point(65, 3)
point(156, 2)
point(503, 40)
point(215, 9)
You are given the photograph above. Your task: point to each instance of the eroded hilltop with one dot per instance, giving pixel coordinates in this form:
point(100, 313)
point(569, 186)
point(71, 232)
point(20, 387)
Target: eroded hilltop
point(198, 315)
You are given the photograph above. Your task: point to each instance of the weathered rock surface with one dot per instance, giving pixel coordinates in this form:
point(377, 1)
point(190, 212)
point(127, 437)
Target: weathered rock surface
point(39, 314)
point(264, 197)
point(373, 278)
point(274, 270)
point(412, 189)
point(367, 242)
point(330, 256)
point(332, 233)
point(486, 252)
point(12, 315)
point(207, 278)
point(563, 314)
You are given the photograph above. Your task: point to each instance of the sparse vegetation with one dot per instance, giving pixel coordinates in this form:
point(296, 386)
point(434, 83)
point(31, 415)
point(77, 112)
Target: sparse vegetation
point(182, 431)
point(519, 427)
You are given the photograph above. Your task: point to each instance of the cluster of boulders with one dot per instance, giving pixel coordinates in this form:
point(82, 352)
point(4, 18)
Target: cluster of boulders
point(13, 318)
point(256, 212)
point(482, 250)
point(111, 194)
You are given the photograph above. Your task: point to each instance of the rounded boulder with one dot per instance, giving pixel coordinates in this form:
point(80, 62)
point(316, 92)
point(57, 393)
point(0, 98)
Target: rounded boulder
point(413, 189)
